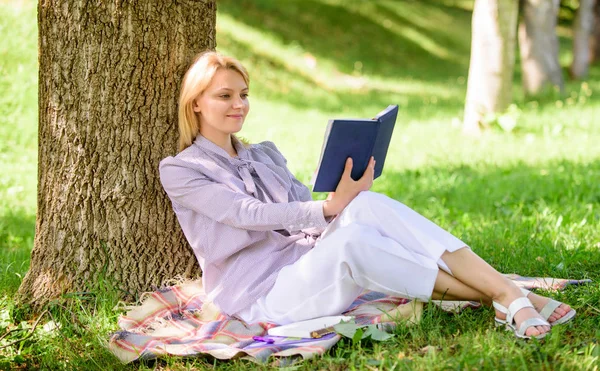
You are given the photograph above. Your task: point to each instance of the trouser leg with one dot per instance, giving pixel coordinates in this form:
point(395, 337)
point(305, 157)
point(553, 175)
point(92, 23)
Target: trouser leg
point(326, 280)
point(376, 243)
point(399, 222)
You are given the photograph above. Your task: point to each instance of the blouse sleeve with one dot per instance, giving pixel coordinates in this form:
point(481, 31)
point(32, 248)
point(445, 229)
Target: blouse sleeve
point(193, 190)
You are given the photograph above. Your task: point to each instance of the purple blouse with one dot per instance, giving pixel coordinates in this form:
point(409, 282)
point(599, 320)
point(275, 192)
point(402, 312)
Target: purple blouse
point(245, 217)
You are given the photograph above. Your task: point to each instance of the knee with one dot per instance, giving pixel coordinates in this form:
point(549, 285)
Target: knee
point(366, 196)
point(365, 202)
point(361, 201)
point(351, 232)
point(351, 240)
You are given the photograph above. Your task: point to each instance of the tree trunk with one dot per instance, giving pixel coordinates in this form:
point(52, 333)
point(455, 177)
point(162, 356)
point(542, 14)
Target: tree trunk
point(582, 32)
point(595, 38)
point(538, 43)
point(108, 86)
point(489, 88)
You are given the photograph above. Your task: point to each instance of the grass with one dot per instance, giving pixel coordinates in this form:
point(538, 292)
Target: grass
point(527, 201)
point(18, 141)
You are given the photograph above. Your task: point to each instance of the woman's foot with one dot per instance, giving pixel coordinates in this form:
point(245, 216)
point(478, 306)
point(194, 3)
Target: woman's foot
point(539, 302)
point(521, 315)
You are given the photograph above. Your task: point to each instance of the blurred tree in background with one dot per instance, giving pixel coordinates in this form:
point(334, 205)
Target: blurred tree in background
point(489, 89)
point(538, 45)
point(595, 37)
point(583, 38)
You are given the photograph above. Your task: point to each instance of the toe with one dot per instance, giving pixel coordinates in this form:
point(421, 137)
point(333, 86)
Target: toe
point(532, 331)
point(537, 330)
point(559, 313)
point(540, 301)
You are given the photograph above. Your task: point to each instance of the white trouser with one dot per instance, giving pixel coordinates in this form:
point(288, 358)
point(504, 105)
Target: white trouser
point(376, 243)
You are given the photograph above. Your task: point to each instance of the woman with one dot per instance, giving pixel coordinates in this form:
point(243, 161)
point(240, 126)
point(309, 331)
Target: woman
point(268, 252)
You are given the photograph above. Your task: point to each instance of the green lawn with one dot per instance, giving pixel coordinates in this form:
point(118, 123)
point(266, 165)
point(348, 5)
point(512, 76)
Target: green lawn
point(527, 201)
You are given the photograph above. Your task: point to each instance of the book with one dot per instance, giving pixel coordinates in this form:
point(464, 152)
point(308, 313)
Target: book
point(312, 328)
point(356, 138)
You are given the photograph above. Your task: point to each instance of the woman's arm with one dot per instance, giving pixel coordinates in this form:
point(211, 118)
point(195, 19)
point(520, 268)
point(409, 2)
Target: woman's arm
point(191, 189)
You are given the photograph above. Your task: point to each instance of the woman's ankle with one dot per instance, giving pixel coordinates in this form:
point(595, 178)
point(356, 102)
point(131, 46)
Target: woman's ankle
point(508, 295)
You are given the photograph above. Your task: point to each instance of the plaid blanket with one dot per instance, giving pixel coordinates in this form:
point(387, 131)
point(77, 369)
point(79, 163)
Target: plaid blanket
point(180, 321)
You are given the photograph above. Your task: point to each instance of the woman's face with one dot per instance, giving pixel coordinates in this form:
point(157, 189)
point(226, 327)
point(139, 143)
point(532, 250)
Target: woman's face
point(223, 106)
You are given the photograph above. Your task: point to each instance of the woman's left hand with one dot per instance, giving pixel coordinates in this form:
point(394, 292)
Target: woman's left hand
point(348, 188)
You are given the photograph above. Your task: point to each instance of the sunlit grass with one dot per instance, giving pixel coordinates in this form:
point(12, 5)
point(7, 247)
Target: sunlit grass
point(18, 141)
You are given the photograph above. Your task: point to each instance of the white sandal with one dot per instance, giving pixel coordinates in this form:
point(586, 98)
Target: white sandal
point(510, 323)
point(546, 311)
point(502, 309)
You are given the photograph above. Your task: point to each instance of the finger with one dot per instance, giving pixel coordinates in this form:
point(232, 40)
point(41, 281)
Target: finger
point(371, 167)
point(347, 167)
point(369, 173)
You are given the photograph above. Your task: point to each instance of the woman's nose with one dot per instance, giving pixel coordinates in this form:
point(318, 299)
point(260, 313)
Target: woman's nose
point(238, 102)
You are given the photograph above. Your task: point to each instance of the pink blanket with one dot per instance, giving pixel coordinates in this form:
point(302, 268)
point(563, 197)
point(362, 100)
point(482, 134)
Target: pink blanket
point(180, 321)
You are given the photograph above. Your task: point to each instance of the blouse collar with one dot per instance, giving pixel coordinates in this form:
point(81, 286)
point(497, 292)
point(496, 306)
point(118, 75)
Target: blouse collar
point(206, 144)
point(274, 178)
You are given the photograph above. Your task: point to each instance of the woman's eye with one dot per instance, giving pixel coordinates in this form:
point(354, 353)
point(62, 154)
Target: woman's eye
point(245, 95)
point(225, 96)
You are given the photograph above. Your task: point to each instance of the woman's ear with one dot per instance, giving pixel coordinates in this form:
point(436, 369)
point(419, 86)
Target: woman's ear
point(195, 106)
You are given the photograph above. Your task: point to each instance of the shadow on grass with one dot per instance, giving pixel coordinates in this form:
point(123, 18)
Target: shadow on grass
point(273, 80)
point(422, 20)
point(399, 40)
point(342, 34)
point(531, 220)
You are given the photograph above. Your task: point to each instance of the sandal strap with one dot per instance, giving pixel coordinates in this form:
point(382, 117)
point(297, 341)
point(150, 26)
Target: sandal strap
point(530, 323)
point(549, 308)
point(516, 306)
point(500, 308)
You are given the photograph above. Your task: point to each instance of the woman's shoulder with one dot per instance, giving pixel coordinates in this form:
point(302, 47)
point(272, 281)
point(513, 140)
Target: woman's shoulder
point(268, 148)
point(190, 157)
point(265, 144)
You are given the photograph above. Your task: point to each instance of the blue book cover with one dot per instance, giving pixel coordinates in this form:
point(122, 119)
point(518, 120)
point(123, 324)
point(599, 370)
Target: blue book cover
point(356, 138)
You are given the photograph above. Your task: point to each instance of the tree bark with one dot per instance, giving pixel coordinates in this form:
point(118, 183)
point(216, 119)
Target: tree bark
point(538, 44)
point(489, 88)
point(583, 27)
point(108, 87)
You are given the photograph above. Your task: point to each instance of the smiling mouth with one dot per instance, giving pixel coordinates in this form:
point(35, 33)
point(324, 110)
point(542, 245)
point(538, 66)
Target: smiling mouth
point(235, 116)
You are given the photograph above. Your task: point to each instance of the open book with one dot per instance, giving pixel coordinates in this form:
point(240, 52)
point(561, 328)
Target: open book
point(312, 328)
point(356, 138)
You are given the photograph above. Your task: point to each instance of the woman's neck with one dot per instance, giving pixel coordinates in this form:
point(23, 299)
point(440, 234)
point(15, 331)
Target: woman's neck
point(225, 142)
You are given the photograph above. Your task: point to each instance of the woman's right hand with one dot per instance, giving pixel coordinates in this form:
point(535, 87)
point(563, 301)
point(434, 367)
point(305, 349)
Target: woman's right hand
point(349, 188)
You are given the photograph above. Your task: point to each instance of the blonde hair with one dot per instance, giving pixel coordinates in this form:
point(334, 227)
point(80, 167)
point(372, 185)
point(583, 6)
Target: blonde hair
point(196, 80)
